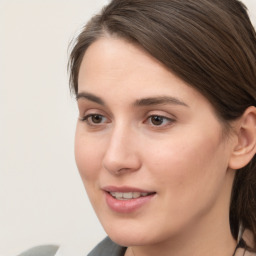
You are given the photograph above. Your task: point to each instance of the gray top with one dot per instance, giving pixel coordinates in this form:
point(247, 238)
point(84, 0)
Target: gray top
point(43, 250)
point(106, 248)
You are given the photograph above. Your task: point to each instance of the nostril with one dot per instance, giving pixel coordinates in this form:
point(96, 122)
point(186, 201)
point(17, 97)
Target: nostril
point(121, 165)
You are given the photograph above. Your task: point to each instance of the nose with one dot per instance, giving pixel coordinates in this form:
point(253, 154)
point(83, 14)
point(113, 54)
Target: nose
point(121, 154)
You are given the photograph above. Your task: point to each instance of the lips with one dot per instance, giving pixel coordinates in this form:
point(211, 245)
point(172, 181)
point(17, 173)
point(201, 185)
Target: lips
point(127, 199)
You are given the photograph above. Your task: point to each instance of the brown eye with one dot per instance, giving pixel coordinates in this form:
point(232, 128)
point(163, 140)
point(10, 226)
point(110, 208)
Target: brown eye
point(157, 120)
point(94, 119)
point(97, 119)
point(160, 121)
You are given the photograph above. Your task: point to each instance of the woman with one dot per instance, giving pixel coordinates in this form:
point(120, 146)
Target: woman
point(166, 137)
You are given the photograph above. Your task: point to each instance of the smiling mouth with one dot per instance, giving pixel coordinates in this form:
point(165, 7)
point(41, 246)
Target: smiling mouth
point(129, 195)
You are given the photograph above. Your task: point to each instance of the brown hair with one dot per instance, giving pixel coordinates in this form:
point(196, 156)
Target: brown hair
point(210, 44)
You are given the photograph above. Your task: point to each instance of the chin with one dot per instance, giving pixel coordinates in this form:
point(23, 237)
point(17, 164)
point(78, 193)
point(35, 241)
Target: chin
point(131, 234)
point(128, 240)
point(123, 232)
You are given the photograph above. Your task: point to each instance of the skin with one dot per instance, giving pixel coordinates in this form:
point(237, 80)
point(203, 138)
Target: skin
point(184, 158)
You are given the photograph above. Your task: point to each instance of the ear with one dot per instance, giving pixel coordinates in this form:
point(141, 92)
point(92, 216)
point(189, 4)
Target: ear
point(245, 144)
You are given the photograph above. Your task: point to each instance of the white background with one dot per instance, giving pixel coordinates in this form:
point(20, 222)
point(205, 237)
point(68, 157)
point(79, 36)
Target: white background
point(42, 199)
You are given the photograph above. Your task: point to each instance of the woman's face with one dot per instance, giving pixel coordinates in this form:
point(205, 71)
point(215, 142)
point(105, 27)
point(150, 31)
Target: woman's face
point(149, 148)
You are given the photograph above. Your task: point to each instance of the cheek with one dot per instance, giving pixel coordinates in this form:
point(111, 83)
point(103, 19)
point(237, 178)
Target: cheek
point(188, 163)
point(189, 175)
point(87, 155)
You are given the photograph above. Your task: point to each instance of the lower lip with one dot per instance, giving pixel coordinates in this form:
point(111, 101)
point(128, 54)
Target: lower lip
point(127, 206)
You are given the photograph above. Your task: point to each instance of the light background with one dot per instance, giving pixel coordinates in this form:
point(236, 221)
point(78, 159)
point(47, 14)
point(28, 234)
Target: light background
point(42, 199)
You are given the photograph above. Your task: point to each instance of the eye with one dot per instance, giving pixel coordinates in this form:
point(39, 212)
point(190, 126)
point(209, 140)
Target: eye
point(157, 120)
point(94, 119)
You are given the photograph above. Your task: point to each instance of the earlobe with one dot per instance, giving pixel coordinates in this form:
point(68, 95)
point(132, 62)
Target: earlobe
point(245, 146)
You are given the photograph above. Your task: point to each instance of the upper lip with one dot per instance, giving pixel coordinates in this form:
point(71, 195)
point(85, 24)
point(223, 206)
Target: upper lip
point(125, 189)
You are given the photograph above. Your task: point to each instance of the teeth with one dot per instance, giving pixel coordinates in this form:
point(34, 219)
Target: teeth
point(118, 195)
point(137, 194)
point(127, 195)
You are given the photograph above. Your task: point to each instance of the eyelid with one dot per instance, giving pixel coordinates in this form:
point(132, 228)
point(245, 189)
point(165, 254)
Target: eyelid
point(168, 120)
point(87, 120)
point(164, 117)
point(87, 111)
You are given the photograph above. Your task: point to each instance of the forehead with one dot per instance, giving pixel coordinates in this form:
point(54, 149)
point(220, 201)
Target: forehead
point(116, 63)
point(113, 65)
point(118, 54)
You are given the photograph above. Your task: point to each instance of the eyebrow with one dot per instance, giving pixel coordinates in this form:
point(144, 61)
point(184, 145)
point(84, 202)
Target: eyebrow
point(90, 97)
point(160, 100)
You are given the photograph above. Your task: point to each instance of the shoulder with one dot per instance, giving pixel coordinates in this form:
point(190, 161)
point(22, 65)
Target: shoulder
point(43, 250)
point(107, 247)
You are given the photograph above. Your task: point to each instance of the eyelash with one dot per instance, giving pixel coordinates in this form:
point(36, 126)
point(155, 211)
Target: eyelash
point(88, 118)
point(163, 119)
